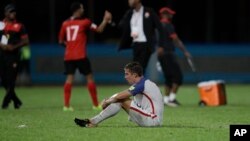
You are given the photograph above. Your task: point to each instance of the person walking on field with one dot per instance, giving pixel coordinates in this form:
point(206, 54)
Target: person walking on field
point(166, 56)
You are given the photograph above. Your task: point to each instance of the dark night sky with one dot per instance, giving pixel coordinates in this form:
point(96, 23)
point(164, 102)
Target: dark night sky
point(209, 21)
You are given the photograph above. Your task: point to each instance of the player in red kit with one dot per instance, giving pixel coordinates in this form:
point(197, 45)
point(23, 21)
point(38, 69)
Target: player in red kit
point(73, 36)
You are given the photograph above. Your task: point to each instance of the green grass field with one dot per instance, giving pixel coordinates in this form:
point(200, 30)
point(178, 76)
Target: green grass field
point(45, 121)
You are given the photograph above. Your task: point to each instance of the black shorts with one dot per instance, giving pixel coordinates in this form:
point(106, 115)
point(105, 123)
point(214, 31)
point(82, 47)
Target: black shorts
point(171, 69)
point(83, 65)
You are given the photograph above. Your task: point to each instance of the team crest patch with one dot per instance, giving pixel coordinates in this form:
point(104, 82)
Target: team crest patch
point(131, 88)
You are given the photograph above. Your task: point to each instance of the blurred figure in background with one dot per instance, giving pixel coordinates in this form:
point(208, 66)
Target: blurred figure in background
point(138, 26)
point(166, 56)
point(73, 36)
point(24, 76)
point(13, 36)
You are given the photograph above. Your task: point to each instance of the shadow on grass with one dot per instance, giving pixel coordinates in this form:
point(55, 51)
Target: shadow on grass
point(163, 126)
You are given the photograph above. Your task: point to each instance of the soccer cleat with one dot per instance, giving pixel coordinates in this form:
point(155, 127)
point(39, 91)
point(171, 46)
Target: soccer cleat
point(5, 107)
point(68, 109)
point(82, 122)
point(173, 103)
point(17, 104)
point(97, 108)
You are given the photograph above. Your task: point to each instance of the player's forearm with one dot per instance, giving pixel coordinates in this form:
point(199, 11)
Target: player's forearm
point(178, 43)
point(120, 96)
point(111, 100)
point(102, 26)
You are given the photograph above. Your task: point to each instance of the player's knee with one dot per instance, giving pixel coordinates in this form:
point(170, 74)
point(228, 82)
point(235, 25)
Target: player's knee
point(90, 78)
point(114, 95)
point(69, 79)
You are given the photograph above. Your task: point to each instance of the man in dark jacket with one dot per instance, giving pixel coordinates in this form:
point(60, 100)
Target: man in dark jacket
point(138, 26)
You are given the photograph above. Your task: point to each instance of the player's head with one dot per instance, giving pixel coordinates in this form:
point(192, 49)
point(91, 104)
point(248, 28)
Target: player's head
point(77, 9)
point(166, 12)
point(133, 3)
point(133, 71)
point(10, 12)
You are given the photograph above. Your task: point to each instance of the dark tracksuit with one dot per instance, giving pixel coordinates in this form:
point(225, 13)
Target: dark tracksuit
point(170, 67)
point(9, 62)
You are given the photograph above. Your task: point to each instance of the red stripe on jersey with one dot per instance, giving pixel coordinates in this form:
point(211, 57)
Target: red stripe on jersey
point(151, 103)
point(143, 113)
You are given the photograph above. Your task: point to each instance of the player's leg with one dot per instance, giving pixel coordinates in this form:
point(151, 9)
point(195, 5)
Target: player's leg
point(3, 79)
point(92, 91)
point(173, 79)
point(7, 98)
point(142, 53)
point(176, 83)
point(106, 113)
point(165, 65)
point(69, 72)
point(142, 116)
point(10, 82)
point(67, 92)
point(85, 68)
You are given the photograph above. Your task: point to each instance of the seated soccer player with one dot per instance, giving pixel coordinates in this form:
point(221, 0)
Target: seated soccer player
point(143, 101)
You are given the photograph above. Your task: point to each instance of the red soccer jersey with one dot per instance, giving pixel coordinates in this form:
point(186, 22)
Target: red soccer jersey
point(73, 32)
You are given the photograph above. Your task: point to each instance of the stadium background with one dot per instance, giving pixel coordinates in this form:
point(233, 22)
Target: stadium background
point(217, 33)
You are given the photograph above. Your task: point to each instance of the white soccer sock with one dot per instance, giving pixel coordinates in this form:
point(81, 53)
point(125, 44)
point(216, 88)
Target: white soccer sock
point(166, 99)
point(172, 96)
point(108, 112)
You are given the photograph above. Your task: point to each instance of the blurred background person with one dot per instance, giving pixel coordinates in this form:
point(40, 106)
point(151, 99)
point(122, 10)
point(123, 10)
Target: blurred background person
point(24, 75)
point(138, 26)
point(167, 58)
point(73, 36)
point(13, 37)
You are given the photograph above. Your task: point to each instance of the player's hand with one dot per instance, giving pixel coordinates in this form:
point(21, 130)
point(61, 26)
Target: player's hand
point(104, 104)
point(160, 51)
point(107, 17)
point(187, 54)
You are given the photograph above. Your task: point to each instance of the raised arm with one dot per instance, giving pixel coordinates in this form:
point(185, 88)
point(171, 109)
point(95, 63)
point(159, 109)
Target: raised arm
point(106, 20)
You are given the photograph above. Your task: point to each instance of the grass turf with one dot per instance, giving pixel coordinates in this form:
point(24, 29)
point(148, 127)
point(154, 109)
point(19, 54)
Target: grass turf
point(44, 119)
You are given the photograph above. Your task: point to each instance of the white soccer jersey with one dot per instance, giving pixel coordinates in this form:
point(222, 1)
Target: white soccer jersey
point(147, 103)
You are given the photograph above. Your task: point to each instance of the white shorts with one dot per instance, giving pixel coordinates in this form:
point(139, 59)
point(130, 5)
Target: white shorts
point(142, 117)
